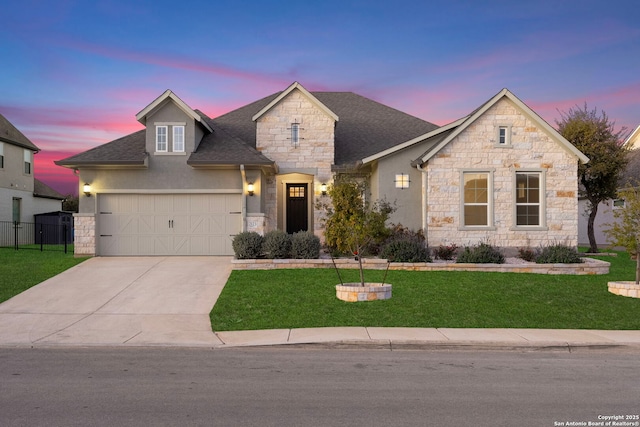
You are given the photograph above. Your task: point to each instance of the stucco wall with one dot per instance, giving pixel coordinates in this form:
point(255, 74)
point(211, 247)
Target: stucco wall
point(475, 149)
point(408, 201)
point(313, 156)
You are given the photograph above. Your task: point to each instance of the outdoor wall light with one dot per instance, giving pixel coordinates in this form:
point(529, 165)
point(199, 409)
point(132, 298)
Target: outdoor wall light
point(323, 189)
point(250, 188)
point(402, 181)
point(86, 188)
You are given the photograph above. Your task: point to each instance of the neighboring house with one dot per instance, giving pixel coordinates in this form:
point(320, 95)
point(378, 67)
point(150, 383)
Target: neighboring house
point(187, 183)
point(21, 195)
point(606, 209)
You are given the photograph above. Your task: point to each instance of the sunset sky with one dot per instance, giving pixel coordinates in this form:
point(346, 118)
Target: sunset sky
point(75, 73)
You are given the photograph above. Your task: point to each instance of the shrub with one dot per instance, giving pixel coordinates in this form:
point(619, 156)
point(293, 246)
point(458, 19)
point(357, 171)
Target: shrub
point(247, 245)
point(406, 249)
point(527, 254)
point(276, 244)
point(305, 245)
point(482, 253)
point(446, 252)
point(558, 254)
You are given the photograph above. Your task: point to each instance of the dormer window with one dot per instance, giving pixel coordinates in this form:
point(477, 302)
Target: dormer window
point(161, 138)
point(178, 138)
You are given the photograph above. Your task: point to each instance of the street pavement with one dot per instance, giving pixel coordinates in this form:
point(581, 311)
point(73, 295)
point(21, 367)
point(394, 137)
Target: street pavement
point(165, 301)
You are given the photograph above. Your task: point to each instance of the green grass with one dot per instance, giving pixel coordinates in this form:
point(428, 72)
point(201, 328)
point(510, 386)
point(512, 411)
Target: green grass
point(302, 298)
point(24, 268)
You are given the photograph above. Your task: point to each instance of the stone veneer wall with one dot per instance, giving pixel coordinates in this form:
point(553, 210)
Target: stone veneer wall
point(475, 149)
point(84, 239)
point(588, 267)
point(313, 155)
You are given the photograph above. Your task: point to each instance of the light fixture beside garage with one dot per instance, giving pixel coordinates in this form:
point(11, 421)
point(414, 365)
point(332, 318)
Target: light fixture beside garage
point(250, 188)
point(86, 188)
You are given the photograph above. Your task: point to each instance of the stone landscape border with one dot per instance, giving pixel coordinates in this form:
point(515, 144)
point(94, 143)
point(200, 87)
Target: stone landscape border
point(588, 267)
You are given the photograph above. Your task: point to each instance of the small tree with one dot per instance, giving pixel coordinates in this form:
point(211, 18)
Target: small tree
point(352, 225)
point(625, 230)
point(595, 136)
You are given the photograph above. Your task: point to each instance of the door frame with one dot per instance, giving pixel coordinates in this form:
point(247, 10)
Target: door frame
point(295, 178)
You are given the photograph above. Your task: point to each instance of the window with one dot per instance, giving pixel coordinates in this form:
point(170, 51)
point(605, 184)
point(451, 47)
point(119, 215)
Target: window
point(161, 138)
point(295, 134)
point(618, 204)
point(1, 155)
point(528, 198)
point(476, 199)
point(178, 138)
point(16, 209)
point(27, 162)
point(504, 135)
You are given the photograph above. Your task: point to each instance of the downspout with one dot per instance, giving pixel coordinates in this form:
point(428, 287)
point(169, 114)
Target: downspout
point(244, 198)
point(424, 200)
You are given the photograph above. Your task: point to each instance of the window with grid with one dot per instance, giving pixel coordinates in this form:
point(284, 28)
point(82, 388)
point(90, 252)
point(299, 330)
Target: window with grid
point(476, 203)
point(178, 138)
point(528, 198)
point(161, 138)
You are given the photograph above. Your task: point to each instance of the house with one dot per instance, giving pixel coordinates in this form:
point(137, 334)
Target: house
point(21, 195)
point(607, 209)
point(187, 183)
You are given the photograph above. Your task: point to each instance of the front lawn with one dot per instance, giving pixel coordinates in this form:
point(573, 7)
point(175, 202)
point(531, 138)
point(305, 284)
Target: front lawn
point(282, 299)
point(24, 268)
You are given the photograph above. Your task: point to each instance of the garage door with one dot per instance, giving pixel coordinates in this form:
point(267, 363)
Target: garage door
point(168, 224)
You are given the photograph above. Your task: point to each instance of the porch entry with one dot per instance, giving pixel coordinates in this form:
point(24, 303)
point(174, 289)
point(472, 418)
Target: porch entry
point(297, 198)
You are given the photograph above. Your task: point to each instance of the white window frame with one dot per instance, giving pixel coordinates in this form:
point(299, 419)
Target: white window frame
point(503, 136)
point(28, 162)
point(489, 203)
point(159, 147)
point(1, 155)
point(542, 206)
point(178, 148)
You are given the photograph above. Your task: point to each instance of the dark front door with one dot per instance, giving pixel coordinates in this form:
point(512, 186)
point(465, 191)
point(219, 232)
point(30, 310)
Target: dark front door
point(297, 208)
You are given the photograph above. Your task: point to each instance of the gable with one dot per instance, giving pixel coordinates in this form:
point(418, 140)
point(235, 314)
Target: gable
point(299, 88)
point(10, 134)
point(519, 109)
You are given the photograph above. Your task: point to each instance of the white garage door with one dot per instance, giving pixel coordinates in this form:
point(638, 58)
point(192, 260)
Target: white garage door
point(168, 224)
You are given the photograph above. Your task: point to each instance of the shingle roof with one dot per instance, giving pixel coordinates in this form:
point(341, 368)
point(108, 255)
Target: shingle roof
point(40, 189)
point(128, 150)
point(9, 133)
point(365, 127)
point(220, 148)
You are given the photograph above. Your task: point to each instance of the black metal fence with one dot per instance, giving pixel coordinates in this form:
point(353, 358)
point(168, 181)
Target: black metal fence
point(30, 235)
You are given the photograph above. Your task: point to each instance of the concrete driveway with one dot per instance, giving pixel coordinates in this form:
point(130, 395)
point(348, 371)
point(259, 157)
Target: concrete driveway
point(120, 301)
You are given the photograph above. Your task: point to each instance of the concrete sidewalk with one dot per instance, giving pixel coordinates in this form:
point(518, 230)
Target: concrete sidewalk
point(432, 338)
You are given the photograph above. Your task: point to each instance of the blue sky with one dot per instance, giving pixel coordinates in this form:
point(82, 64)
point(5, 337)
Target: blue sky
point(75, 72)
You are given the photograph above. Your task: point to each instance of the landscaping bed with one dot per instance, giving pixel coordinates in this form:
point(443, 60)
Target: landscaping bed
point(512, 265)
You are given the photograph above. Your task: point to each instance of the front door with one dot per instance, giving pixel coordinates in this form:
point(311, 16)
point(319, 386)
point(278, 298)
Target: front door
point(297, 208)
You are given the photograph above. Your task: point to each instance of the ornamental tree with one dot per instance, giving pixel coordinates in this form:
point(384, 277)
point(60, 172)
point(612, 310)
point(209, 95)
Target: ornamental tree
point(595, 136)
point(353, 225)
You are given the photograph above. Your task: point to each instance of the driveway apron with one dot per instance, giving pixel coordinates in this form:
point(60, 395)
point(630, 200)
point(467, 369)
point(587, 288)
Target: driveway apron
point(120, 301)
